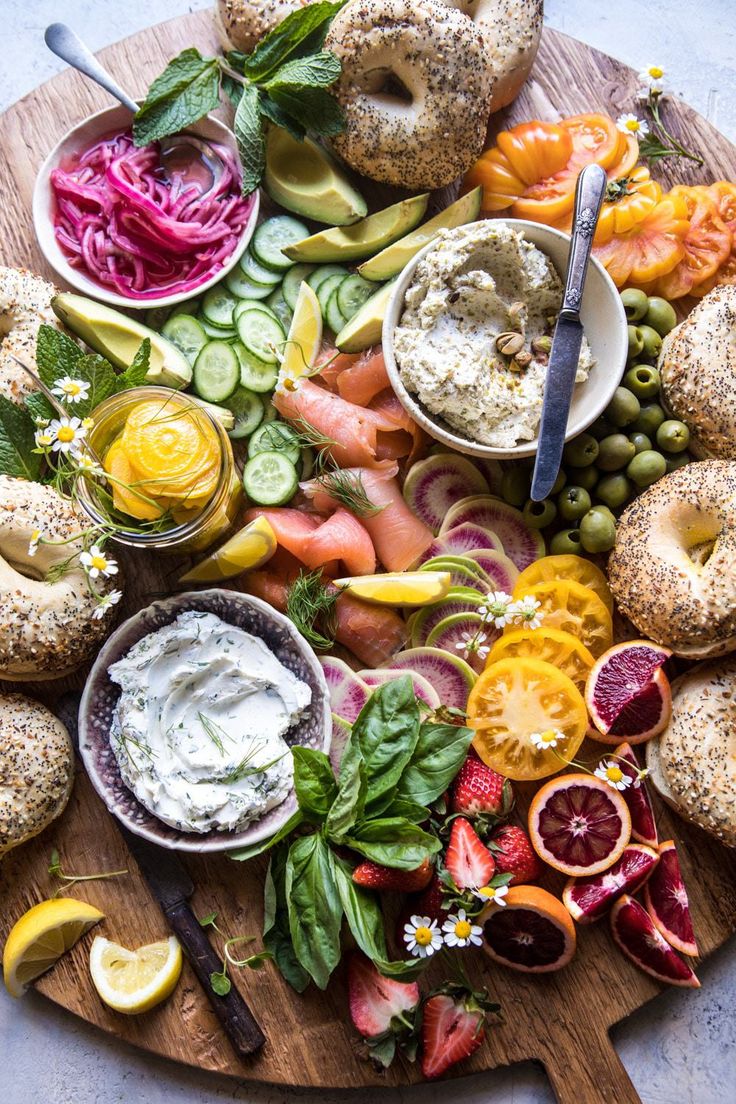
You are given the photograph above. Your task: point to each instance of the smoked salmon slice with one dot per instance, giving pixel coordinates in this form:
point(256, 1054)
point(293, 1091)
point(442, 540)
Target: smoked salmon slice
point(360, 382)
point(318, 542)
point(387, 404)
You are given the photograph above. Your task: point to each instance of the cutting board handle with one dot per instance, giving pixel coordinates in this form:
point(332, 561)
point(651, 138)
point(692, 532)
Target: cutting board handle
point(589, 1071)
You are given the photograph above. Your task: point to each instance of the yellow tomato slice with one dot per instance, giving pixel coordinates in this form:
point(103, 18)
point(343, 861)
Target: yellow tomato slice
point(563, 650)
point(577, 568)
point(576, 609)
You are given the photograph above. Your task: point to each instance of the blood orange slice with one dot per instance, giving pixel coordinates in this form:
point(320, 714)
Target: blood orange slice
point(628, 694)
point(667, 903)
point(636, 796)
point(531, 932)
point(579, 824)
point(634, 931)
point(588, 899)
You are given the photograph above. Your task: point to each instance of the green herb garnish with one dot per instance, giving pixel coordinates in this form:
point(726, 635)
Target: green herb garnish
point(69, 880)
point(348, 489)
point(311, 608)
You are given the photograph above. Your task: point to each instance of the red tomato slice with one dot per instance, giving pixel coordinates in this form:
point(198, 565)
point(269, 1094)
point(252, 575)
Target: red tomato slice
point(707, 244)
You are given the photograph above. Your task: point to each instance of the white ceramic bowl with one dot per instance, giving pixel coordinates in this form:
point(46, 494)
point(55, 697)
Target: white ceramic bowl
point(604, 321)
point(80, 137)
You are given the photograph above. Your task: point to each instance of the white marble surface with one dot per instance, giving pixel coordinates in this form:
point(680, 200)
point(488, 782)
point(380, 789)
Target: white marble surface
point(682, 1047)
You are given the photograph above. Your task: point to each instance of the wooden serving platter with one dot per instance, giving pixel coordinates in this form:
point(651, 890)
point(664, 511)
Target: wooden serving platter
point(561, 1019)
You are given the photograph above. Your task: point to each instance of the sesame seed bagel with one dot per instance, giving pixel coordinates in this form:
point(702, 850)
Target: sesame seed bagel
point(25, 302)
point(36, 769)
point(46, 629)
point(673, 568)
point(698, 368)
point(693, 763)
point(415, 88)
point(241, 24)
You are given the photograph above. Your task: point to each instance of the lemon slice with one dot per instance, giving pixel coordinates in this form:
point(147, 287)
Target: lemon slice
point(407, 588)
point(303, 340)
point(249, 548)
point(134, 981)
point(41, 937)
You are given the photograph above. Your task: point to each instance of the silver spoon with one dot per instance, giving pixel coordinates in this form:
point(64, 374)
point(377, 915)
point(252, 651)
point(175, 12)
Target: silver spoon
point(68, 46)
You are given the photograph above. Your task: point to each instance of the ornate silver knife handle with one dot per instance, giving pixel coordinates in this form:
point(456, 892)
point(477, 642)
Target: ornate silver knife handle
point(589, 193)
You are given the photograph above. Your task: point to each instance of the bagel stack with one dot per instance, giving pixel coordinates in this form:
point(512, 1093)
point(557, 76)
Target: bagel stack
point(25, 302)
point(240, 24)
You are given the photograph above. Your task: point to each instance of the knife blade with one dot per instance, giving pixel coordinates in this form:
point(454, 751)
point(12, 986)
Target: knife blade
point(568, 335)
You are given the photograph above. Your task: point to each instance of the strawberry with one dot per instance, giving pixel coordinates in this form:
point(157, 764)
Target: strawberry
point(479, 791)
point(454, 1025)
point(514, 854)
point(467, 859)
point(372, 875)
point(375, 1000)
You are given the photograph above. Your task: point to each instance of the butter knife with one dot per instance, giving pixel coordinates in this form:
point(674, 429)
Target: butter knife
point(568, 336)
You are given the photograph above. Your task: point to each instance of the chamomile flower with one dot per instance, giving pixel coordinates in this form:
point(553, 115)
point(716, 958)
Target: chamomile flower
point(422, 936)
point(67, 434)
point(33, 546)
point(496, 608)
point(641, 774)
point(87, 423)
point(44, 438)
point(460, 932)
point(96, 563)
point(87, 465)
point(652, 77)
point(474, 643)
point(611, 773)
point(549, 738)
point(492, 895)
point(105, 603)
point(526, 612)
point(631, 124)
point(73, 390)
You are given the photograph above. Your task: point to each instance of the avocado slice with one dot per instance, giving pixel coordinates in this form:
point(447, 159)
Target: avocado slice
point(303, 178)
point(390, 261)
point(116, 336)
point(364, 238)
point(364, 328)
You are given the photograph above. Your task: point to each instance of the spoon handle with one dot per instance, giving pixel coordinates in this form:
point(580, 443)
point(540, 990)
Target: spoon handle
point(63, 42)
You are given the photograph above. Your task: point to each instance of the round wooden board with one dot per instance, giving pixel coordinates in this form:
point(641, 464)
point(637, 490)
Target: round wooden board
point(561, 1020)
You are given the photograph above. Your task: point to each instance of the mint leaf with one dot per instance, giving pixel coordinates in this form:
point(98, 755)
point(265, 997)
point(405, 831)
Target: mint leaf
point(220, 983)
point(274, 114)
point(17, 442)
point(250, 139)
point(135, 374)
point(306, 25)
point(318, 71)
point(100, 375)
point(56, 354)
point(39, 407)
point(188, 89)
point(313, 108)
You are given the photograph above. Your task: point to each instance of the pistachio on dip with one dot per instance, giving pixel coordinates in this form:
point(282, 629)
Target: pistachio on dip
point(199, 728)
point(473, 340)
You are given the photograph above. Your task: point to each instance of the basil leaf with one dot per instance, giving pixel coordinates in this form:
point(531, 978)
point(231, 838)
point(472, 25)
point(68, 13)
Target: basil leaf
point(251, 142)
point(438, 756)
point(318, 71)
point(135, 374)
point(276, 934)
point(315, 912)
point(17, 442)
point(274, 114)
point(394, 842)
point(244, 853)
point(188, 89)
point(386, 732)
point(56, 354)
point(349, 804)
point(409, 810)
point(306, 25)
point(313, 108)
point(314, 782)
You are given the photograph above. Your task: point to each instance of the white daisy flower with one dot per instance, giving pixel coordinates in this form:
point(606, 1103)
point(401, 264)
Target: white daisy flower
point(496, 608)
point(96, 563)
point(631, 124)
point(87, 423)
point(525, 612)
point(105, 603)
point(492, 895)
point(35, 538)
point(547, 739)
point(73, 390)
point(641, 774)
point(652, 77)
point(44, 438)
point(88, 465)
point(68, 434)
point(473, 642)
point(422, 936)
point(611, 773)
point(460, 932)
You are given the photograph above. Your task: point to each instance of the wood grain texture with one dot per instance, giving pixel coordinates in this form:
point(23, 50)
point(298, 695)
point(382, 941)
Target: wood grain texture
point(561, 1020)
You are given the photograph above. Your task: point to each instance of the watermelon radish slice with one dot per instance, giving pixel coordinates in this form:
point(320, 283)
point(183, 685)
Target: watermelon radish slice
point(340, 737)
point(521, 544)
point(636, 796)
point(431, 616)
point(589, 898)
point(460, 540)
point(348, 692)
point(497, 566)
point(666, 901)
point(423, 689)
point(450, 675)
point(467, 574)
point(634, 931)
point(453, 633)
point(433, 485)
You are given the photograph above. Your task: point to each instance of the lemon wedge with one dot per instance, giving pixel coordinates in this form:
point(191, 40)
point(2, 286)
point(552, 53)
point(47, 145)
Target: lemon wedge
point(249, 548)
point(134, 981)
point(41, 937)
point(407, 588)
point(303, 340)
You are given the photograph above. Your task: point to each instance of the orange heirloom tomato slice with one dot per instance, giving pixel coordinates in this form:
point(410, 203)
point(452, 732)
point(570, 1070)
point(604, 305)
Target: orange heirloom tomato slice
point(627, 157)
point(629, 199)
point(595, 138)
point(651, 248)
point(536, 150)
point(723, 193)
point(707, 244)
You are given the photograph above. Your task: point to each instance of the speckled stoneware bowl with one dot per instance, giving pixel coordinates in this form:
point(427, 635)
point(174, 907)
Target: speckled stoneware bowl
point(101, 694)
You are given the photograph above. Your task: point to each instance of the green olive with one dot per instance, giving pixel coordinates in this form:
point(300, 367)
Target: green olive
point(559, 482)
point(538, 514)
point(675, 460)
point(614, 452)
point(515, 483)
point(597, 530)
point(643, 380)
point(636, 304)
point(673, 436)
point(573, 503)
point(581, 451)
point(623, 408)
point(584, 477)
point(652, 341)
point(650, 419)
point(613, 490)
point(636, 342)
point(640, 441)
point(601, 428)
point(660, 315)
point(647, 467)
point(565, 542)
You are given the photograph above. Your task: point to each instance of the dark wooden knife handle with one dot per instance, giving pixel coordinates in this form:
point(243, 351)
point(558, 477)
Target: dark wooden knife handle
point(233, 1013)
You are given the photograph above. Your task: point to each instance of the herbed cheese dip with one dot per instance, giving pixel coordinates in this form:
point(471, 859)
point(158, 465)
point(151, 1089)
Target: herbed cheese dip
point(474, 337)
point(198, 731)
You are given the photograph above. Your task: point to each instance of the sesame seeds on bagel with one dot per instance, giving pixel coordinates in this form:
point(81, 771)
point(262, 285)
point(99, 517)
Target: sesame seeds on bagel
point(25, 303)
point(241, 24)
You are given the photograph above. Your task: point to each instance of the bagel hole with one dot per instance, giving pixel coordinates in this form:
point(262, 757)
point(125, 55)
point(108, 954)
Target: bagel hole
point(701, 553)
point(28, 571)
point(386, 83)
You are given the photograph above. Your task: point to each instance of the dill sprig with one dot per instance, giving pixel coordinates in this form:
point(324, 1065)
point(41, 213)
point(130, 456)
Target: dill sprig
point(347, 488)
point(244, 770)
point(311, 608)
point(214, 731)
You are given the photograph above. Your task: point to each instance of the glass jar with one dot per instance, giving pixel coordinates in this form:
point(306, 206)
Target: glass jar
point(195, 534)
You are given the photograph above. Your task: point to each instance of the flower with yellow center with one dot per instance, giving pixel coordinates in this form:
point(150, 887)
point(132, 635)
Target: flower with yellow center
point(422, 936)
point(652, 76)
point(547, 739)
point(67, 434)
point(35, 538)
point(96, 563)
point(631, 124)
point(73, 390)
point(44, 439)
point(611, 773)
point(106, 602)
point(492, 895)
point(460, 932)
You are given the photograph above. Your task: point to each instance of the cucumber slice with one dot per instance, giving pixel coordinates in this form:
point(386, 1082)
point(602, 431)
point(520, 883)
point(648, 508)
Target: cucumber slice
point(335, 318)
point(156, 316)
point(270, 413)
point(216, 372)
point(255, 374)
point(261, 334)
point(270, 238)
point(276, 437)
point(257, 273)
point(323, 272)
point(216, 333)
point(241, 287)
point(189, 306)
point(270, 479)
point(280, 307)
point(187, 334)
point(247, 408)
point(251, 304)
point(218, 305)
point(352, 294)
point(325, 290)
point(293, 281)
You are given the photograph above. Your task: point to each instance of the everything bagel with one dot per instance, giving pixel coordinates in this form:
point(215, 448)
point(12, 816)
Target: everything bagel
point(25, 302)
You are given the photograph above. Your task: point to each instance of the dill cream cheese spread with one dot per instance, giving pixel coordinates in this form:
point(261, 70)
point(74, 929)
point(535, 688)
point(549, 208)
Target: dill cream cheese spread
point(199, 728)
point(473, 340)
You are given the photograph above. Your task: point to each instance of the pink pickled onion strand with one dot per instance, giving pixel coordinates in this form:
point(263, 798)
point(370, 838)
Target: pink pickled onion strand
point(131, 230)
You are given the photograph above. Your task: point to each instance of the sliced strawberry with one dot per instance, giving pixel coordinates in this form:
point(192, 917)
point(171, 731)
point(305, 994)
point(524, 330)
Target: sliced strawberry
point(514, 854)
point(450, 1033)
point(468, 860)
point(375, 1000)
point(385, 879)
point(480, 791)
